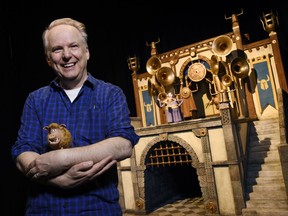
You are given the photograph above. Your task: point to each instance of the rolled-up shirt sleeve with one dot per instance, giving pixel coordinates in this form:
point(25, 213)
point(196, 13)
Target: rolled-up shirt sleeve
point(118, 118)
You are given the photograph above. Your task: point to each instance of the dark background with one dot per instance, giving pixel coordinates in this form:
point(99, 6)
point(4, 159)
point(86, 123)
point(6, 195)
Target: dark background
point(117, 30)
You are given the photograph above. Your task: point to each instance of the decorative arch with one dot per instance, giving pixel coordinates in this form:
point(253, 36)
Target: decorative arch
point(173, 138)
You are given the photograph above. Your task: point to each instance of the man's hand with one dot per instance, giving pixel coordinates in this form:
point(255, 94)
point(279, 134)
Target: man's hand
point(79, 174)
point(47, 165)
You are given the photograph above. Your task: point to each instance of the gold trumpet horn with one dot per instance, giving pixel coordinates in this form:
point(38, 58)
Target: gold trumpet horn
point(153, 91)
point(153, 65)
point(226, 80)
point(165, 76)
point(162, 96)
point(222, 45)
point(214, 65)
point(239, 67)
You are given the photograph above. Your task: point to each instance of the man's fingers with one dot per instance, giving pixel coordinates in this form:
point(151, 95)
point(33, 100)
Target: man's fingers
point(84, 166)
point(106, 167)
point(99, 169)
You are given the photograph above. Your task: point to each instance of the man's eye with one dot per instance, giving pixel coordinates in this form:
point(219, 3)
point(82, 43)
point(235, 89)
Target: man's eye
point(73, 47)
point(56, 50)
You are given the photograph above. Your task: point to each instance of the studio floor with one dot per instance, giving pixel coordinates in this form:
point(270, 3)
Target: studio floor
point(186, 207)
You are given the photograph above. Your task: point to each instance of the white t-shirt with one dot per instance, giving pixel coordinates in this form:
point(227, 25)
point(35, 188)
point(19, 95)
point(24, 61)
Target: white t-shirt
point(72, 93)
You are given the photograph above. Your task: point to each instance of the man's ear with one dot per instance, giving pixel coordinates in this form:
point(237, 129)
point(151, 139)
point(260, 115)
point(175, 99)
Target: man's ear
point(48, 61)
point(87, 53)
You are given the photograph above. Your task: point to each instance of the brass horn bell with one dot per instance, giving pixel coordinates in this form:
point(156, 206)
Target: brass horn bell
point(153, 65)
point(214, 65)
point(222, 45)
point(165, 76)
point(239, 67)
point(153, 91)
point(226, 80)
point(162, 96)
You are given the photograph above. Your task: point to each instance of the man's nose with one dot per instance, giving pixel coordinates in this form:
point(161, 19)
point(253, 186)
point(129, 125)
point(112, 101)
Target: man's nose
point(66, 53)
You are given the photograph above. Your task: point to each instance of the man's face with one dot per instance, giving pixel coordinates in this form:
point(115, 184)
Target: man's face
point(67, 53)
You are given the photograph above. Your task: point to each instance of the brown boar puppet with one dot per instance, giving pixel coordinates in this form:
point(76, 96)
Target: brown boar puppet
point(59, 136)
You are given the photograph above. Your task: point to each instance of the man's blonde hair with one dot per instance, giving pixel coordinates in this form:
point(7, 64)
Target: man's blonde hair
point(65, 21)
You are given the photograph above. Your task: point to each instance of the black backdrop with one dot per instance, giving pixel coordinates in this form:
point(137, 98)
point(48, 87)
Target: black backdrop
point(117, 30)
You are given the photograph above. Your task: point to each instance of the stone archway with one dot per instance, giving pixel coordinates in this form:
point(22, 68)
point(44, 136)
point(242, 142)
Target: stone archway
point(171, 151)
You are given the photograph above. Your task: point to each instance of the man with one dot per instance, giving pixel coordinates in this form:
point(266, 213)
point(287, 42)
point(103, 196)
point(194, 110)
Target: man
point(82, 179)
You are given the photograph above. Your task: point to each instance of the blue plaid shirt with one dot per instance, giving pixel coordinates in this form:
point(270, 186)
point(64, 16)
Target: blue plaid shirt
point(100, 111)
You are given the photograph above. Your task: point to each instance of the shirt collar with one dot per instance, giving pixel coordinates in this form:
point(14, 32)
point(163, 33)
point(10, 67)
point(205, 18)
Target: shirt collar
point(89, 82)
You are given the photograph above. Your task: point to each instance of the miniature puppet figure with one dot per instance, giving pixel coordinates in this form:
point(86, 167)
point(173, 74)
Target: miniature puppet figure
point(59, 136)
point(172, 108)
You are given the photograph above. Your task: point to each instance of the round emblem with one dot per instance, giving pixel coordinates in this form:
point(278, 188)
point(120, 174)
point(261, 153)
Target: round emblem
point(185, 92)
point(196, 72)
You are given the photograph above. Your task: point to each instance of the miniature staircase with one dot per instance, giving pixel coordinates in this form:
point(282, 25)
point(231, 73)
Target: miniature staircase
point(265, 189)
